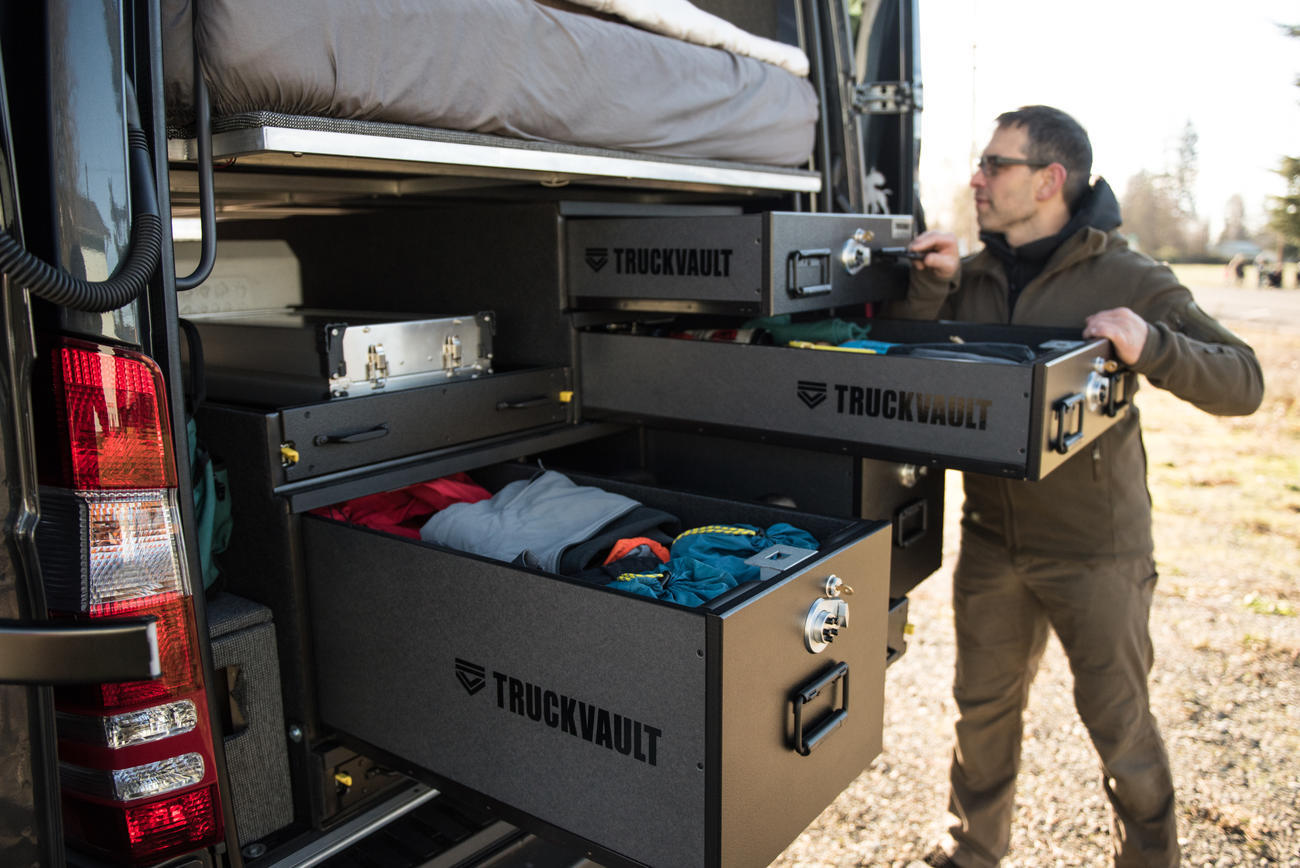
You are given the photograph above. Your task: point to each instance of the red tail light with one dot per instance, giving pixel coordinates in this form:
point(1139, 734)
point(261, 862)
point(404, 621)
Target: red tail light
point(111, 403)
point(137, 761)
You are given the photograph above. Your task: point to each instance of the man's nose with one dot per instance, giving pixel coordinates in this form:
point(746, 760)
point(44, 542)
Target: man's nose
point(977, 179)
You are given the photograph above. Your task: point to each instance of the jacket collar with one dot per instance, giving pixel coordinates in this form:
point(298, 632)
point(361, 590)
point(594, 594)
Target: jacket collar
point(1087, 234)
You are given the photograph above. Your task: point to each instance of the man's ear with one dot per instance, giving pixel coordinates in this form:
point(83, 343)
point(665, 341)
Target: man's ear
point(1051, 180)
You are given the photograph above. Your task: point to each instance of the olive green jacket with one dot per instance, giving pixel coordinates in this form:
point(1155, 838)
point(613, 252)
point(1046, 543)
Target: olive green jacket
point(1096, 504)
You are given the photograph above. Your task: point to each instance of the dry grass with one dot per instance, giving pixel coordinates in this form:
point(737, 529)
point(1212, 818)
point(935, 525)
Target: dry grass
point(1226, 628)
point(1227, 490)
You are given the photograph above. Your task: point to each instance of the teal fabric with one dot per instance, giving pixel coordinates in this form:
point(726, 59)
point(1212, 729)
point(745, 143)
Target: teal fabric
point(684, 581)
point(212, 516)
point(704, 562)
point(829, 331)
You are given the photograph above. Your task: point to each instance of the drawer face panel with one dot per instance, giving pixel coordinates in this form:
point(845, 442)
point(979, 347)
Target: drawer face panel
point(755, 264)
point(650, 730)
point(764, 657)
point(344, 434)
point(517, 685)
point(972, 415)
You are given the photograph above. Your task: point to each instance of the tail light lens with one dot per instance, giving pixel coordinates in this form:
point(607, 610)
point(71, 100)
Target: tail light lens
point(136, 758)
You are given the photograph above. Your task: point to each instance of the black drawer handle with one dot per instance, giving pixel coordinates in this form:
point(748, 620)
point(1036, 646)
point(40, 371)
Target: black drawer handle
point(380, 430)
point(1122, 384)
point(1062, 409)
point(910, 523)
point(804, 744)
point(524, 403)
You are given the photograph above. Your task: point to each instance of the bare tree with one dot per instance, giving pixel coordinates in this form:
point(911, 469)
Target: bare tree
point(1151, 213)
point(1234, 220)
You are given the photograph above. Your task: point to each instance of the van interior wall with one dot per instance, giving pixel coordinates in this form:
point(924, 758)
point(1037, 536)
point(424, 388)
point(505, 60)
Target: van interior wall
point(444, 261)
point(685, 460)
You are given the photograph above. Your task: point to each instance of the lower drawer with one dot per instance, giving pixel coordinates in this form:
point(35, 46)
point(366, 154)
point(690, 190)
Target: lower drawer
point(659, 734)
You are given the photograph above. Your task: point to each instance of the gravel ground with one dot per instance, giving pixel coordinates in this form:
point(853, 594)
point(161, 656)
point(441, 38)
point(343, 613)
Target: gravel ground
point(1226, 685)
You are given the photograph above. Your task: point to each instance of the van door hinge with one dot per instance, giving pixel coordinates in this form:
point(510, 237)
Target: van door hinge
point(886, 98)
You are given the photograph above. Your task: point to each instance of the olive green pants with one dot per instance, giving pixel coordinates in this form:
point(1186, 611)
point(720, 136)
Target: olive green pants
point(1004, 604)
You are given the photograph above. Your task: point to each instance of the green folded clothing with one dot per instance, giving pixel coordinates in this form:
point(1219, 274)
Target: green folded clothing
point(833, 331)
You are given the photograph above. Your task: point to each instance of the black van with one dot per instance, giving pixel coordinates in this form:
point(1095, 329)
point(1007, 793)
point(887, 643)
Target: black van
point(276, 281)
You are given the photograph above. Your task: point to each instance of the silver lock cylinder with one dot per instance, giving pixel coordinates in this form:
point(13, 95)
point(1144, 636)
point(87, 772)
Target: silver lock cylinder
point(835, 587)
point(910, 474)
point(1096, 392)
point(855, 255)
point(826, 618)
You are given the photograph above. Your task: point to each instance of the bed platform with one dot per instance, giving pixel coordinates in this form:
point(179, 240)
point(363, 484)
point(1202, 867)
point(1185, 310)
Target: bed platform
point(422, 96)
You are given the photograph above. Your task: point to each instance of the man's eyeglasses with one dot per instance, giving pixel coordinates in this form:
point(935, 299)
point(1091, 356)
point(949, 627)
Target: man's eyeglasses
point(991, 164)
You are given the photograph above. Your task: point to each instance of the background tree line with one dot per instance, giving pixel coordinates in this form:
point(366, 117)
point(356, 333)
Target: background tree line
point(1159, 210)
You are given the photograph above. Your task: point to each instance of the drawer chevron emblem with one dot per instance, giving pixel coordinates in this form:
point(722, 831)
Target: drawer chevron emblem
point(471, 676)
point(597, 257)
point(811, 393)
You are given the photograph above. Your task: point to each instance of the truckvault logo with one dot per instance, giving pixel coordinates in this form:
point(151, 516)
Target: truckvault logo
point(898, 405)
point(597, 257)
point(470, 676)
point(665, 261)
point(584, 720)
point(811, 393)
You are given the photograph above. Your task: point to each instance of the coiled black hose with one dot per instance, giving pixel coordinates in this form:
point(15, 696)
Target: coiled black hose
point(130, 279)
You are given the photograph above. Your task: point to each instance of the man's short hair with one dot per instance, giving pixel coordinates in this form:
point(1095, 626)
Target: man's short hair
point(1055, 137)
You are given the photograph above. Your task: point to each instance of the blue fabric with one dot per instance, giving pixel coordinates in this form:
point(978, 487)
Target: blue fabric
point(683, 581)
point(728, 546)
point(707, 561)
point(881, 347)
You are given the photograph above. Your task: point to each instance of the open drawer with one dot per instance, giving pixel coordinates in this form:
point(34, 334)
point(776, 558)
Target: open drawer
point(1018, 419)
point(655, 733)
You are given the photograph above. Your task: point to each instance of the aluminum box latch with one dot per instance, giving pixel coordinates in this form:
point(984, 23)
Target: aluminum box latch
point(376, 366)
point(451, 353)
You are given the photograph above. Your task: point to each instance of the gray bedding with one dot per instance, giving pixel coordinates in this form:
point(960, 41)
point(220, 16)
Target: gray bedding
point(503, 67)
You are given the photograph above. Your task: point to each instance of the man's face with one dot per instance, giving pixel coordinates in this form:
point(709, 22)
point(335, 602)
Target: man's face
point(1004, 198)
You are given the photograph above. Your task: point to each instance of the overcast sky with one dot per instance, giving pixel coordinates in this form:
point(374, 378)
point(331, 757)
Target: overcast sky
point(1133, 72)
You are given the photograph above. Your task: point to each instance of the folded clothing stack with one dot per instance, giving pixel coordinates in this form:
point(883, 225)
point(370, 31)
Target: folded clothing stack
point(550, 523)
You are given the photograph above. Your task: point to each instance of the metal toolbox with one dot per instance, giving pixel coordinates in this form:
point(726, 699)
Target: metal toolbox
point(749, 264)
point(705, 736)
point(1020, 420)
point(280, 357)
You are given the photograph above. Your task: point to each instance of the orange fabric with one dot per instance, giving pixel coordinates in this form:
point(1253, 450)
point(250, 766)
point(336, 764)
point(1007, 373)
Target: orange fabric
point(623, 546)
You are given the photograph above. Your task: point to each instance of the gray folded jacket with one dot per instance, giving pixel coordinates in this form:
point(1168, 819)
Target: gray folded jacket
point(541, 517)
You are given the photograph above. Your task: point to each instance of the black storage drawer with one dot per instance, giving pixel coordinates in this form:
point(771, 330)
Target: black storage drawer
point(348, 433)
point(1020, 420)
point(659, 734)
point(753, 264)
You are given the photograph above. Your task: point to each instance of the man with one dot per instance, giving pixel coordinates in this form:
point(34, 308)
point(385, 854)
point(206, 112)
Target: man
point(1072, 552)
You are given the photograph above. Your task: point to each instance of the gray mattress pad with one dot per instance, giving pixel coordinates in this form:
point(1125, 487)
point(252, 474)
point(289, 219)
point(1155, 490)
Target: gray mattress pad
point(500, 67)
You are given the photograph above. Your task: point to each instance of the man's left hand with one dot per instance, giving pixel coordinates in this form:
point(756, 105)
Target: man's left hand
point(1124, 328)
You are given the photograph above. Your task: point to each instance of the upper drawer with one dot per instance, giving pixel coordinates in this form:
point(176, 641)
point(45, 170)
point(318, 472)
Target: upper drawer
point(310, 441)
point(750, 264)
point(662, 735)
point(1013, 419)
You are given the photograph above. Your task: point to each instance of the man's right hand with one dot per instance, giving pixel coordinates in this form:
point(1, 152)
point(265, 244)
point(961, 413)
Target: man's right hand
point(941, 254)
